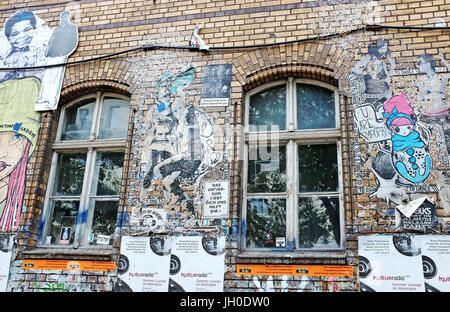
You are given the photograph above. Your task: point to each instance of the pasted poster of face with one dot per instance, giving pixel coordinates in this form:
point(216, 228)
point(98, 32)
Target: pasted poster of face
point(24, 40)
point(18, 136)
point(216, 85)
point(390, 263)
point(143, 264)
point(188, 271)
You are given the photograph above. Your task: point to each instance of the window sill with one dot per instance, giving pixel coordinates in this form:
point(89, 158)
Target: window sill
point(295, 257)
point(106, 253)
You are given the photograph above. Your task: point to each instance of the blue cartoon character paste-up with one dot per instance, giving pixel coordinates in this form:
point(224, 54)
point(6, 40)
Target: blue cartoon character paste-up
point(410, 155)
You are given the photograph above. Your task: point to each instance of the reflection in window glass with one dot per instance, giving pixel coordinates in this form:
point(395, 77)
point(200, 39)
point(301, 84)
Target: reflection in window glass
point(104, 222)
point(114, 120)
point(267, 111)
point(318, 170)
point(77, 122)
point(266, 169)
point(266, 220)
point(62, 226)
point(318, 221)
point(107, 173)
point(70, 174)
point(315, 107)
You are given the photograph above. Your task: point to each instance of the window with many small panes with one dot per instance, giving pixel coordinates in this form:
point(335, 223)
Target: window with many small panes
point(85, 180)
point(292, 182)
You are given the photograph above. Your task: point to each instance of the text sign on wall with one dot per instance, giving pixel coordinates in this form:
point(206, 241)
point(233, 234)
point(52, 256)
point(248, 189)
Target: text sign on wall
point(103, 266)
point(216, 199)
point(295, 270)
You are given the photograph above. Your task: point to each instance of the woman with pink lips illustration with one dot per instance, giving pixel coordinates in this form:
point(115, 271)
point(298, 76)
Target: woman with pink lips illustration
point(19, 126)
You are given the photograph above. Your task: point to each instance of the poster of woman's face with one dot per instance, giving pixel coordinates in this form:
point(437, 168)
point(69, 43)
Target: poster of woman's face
point(12, 149)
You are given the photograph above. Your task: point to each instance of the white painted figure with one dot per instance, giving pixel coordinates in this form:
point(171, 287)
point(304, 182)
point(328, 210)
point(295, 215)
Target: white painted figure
point(63, 42)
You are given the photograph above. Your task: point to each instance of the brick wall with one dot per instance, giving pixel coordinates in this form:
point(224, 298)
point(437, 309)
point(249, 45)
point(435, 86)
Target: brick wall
point(113, 26)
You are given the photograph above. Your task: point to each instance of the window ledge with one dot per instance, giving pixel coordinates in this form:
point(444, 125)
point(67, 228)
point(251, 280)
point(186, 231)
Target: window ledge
point(82, 253)
point(285, 257)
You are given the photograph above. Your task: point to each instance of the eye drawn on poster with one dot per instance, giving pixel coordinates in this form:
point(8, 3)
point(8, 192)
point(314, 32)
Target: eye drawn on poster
point(181, 140)
point(216, 87)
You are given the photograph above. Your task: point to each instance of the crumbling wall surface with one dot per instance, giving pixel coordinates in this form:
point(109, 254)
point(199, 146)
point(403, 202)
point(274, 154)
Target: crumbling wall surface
point(393, 110)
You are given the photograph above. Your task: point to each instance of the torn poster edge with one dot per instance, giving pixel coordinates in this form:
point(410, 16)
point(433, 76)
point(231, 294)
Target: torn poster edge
point(408, 209)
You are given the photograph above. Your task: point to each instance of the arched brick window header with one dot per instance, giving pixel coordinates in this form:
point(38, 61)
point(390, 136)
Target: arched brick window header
point(72, 92)
point(302, 71)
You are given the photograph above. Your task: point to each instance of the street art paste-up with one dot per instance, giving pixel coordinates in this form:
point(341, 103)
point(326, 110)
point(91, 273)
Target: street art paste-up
point(432, 86)
point(370, 88)
point(181, 143)
point(410, 153)
point(63, 42)
point(396, 132)
point(375, 73)
point(216, 88)
point(23, 43)
point(19, 126)
point(434, 103)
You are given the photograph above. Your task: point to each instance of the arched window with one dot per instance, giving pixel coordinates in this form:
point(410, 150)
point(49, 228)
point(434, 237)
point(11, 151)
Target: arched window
point(292, 182)
point(85, 179)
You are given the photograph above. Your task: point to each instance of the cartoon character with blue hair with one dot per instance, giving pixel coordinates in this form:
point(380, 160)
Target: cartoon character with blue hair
point(410, 154)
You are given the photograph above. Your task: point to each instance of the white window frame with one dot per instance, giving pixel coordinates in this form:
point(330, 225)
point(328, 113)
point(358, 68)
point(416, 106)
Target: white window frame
point(291, 138)
point(91, 146)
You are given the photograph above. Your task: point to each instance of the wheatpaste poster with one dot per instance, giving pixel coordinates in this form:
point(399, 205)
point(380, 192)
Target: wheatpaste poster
point(436, 262)
point(390, 263)
point(197, 264)
point(144, 264)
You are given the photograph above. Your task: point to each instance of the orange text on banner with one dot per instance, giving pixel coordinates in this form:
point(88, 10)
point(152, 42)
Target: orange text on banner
point(104, 266)
point(295, 270)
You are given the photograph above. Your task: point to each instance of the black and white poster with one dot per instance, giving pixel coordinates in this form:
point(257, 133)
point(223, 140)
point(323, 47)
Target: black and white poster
point(390, 263)
point(436, 262)
point(419, 214)
point(197, 264)
point(143, 264)
point(216, 88)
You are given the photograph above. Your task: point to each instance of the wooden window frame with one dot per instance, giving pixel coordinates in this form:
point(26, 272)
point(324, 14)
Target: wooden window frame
point(91, 146)
point(291, 138)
